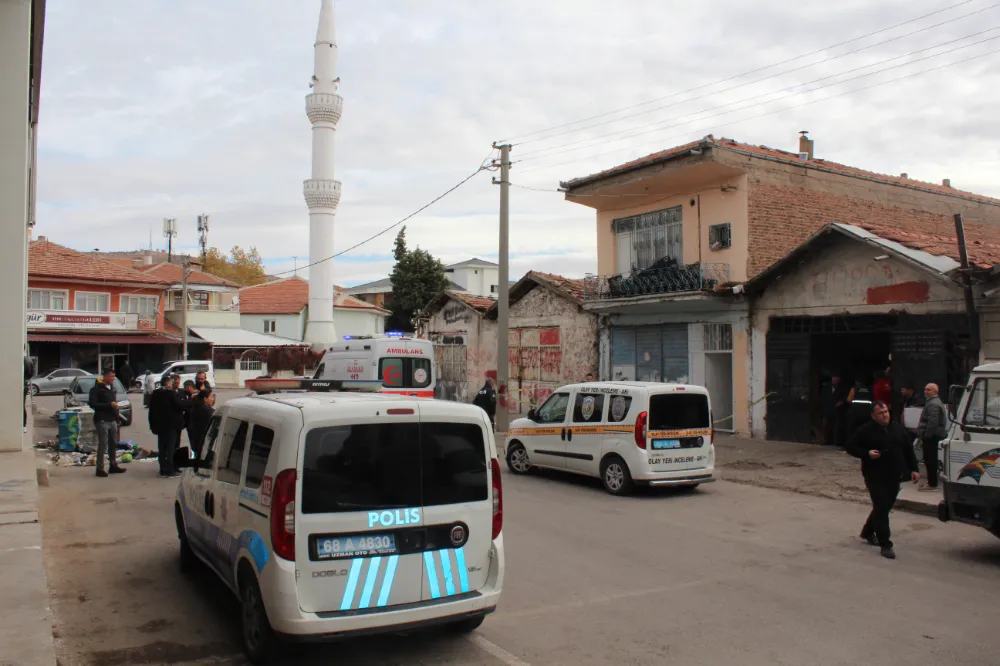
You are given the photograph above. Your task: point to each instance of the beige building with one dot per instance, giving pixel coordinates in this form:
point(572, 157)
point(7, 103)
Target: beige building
point(679, 231)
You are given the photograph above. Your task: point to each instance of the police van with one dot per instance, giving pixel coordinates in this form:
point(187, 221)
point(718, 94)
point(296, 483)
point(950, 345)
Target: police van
point(331, 514)
point(625, 433)
point(972, 452)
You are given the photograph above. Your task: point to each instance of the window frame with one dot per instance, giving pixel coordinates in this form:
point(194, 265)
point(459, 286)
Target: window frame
point(125, 303)
point(981, 427)
point(553, 396)
point(87, 294)
point(721, 233)
point(648, 224)
point(248, 456)
point(223, 465)
point(270, 326)
point(599, 407)
point(208, 445)
point(64, 293)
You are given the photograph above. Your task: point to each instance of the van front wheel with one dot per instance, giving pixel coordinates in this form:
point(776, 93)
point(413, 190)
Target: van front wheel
point(615, 476)
point(517, 458)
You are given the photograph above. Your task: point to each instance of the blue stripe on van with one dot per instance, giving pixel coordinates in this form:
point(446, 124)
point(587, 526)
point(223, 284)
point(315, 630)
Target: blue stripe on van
point(352, 584)
point(390, 573)
point(463, 573)
point(370, 578)
point(449, 580)
point(432, 578)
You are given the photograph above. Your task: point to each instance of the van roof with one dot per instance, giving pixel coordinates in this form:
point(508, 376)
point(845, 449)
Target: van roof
point(987, 367)
point(308, 401)
point(660, 386)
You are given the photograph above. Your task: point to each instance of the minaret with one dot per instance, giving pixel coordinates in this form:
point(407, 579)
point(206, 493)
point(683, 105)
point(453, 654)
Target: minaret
point(322, 192)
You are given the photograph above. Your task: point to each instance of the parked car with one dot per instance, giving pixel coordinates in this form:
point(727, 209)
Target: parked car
point(79, 394)
point(56, 381)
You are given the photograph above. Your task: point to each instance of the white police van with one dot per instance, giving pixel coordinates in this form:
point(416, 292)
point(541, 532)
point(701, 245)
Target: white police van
point(624, 433)
point(333, 514)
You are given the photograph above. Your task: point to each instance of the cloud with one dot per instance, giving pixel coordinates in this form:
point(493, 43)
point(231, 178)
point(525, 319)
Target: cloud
point(175, 108)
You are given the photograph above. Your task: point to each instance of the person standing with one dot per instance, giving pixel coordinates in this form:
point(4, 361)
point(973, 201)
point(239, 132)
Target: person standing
point(103, 400)
point(932, 428)
point(202, 408)
point(833, 403)
point(486, 399)
point(126, 375)
point(859, 407)
point(886, 455)
point(883, 387)
point(201, 383)
point(166, 421)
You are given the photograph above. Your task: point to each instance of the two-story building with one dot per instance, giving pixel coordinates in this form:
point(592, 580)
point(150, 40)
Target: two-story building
point(475, 277)
point(85, 312)
point(680, 231)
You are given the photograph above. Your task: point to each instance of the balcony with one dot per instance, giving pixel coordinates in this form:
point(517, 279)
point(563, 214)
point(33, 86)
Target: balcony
point(664, 277)
point(204, 307)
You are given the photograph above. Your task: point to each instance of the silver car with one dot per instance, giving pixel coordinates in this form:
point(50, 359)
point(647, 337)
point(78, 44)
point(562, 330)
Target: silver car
point(79, 394)
point(56, 381)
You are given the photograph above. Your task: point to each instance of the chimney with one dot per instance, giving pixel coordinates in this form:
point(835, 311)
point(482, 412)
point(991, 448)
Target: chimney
point(805, 144)
point(147, 260)
point(42, 239)
point(946, 182)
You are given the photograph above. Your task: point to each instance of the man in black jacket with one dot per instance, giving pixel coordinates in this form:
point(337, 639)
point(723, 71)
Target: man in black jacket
point(166, 420)
point(486, 399)
point(886, 454)
point(104, 401)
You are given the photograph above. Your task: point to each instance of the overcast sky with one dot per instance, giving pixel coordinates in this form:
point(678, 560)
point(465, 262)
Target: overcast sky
point(156, 108)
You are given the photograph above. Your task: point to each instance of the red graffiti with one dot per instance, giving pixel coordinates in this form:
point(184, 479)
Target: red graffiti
point(904, 292)
point(549, 337)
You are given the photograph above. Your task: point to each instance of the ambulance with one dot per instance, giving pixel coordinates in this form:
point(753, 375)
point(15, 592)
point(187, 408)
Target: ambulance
point(403, 365)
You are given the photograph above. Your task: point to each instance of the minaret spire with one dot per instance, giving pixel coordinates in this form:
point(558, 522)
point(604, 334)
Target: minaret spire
point(322, 191)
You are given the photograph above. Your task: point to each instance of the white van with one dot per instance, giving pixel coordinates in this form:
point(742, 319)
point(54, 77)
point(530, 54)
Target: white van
point(972, 452)
point(332, 514)
point(624, 433)
point(187, 370)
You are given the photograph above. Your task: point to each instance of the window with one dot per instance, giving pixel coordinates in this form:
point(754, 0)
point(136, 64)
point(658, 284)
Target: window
point(554, 409)
point(405, 372)
point(650, 353)
point(720, 236)
point(198, 299)
point(393, 465)
point(674, 411)
point(46, 299)
point(589, 408)
point(493, 288)
point(208, 446)
point(644, 239)
point(390, 371)
point(144, 306)
point(983, 409)
point(421, 375)
point(620, 404)
point(718, 337)
point(270, 325)
point(176, 300)
point(88, 301)
point(260, 450)
point(231, 448)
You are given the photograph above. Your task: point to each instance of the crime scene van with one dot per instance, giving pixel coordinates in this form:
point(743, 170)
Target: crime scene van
point(331, 514)
point(403, 365)
point(971, 452)
point(625, 433)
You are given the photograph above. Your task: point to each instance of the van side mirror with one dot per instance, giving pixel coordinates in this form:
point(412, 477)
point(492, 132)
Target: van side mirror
point(955, 394)
point(532, 414)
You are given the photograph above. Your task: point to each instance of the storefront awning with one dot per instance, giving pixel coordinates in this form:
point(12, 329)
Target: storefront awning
point(77, 338)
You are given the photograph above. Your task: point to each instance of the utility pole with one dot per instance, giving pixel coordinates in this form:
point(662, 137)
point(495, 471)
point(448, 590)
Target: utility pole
point(970, 299)
point(185, 272)
point(503, 297)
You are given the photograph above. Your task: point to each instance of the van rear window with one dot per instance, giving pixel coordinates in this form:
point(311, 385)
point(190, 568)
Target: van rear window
point(677, 411)
point(369, 467)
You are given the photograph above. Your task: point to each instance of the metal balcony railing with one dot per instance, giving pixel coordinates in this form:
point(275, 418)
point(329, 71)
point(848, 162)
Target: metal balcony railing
point(202, 307)
point(664, 277)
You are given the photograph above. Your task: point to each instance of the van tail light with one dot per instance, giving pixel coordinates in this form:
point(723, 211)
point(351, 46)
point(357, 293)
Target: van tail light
point(497, 498)
point(640, 430)
point(283, 515)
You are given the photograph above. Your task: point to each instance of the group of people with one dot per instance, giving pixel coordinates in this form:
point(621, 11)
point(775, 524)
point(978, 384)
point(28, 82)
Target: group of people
point(174, 409)
point(885, 447)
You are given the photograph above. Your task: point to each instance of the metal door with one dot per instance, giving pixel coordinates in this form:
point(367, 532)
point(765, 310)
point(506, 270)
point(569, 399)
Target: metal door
point(788, 387)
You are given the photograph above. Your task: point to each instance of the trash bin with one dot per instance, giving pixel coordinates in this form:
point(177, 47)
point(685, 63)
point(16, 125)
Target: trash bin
point(76, 430)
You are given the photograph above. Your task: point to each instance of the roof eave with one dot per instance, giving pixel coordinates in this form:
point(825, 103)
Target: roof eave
point(577, 183)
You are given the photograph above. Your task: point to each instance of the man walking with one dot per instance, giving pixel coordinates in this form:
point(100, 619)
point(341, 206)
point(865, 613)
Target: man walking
point(104, 402)
point(932, 428)
point(886, 456)
point(486, 399)
point(166, 421)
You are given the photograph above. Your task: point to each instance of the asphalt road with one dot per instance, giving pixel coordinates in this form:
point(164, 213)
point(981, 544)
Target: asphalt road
point(730, 574)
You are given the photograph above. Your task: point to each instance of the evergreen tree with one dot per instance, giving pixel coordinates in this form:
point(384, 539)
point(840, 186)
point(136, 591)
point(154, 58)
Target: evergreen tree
point(416, 278)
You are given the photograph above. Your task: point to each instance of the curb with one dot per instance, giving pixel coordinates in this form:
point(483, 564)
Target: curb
point(921, 508)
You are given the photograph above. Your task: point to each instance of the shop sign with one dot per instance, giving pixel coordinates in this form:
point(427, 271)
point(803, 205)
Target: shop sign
point(68, 319)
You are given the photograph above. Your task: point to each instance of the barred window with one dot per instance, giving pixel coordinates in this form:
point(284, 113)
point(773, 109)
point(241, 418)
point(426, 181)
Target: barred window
point(644, 239)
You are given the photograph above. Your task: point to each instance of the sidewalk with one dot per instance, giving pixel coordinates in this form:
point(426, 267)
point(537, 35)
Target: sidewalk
point(810, 469)
point(25, 618)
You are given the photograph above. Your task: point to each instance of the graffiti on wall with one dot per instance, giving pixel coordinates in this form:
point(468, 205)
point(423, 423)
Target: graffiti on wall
point(454, 312)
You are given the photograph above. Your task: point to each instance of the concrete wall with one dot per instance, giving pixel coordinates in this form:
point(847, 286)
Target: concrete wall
point(476, 280)
point(15, 33)
point(290, 326)
point(457, 319)
point(349, 321)
point(210, 318)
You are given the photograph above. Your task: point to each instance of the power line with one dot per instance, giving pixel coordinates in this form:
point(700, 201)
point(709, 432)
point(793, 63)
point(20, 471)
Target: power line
point(788, 108)
point(736, 76)
point(586, 143)
point(742, 85)
point(393, 226)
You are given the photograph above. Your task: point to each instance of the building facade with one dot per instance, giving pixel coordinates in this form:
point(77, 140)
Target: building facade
point(465, 343)
point(679, 231)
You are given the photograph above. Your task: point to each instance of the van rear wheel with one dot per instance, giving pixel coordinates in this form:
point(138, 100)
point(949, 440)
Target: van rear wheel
point(616, 477)
point(259, 641)
point(517, 458)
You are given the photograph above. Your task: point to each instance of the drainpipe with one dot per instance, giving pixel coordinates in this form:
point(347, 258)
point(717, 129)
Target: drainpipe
point(701, 268)
point(970, 301)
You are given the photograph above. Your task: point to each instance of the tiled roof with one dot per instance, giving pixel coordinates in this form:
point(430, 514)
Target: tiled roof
point(475, 302)
point(291, 296)
point(571, 287)
point(774, 153)
point(174, 274)
point(981, 240)
point(50, 260)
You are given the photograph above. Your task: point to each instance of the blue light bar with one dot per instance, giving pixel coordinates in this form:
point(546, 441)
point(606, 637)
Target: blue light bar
point(394, 334)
